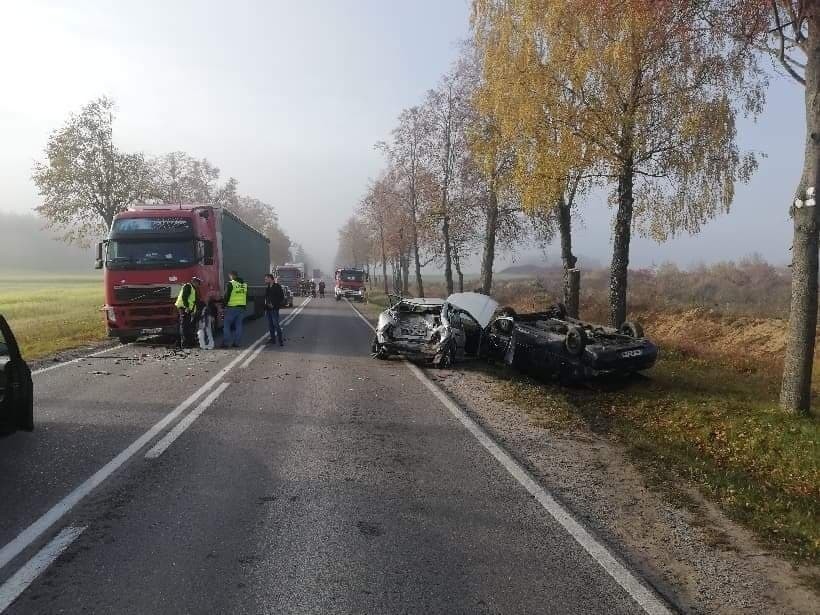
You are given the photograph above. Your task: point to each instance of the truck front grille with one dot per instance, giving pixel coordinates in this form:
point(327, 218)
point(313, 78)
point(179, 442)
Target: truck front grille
point(142, 294)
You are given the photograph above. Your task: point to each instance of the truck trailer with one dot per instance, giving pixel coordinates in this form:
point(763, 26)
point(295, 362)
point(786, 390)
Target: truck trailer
point(152, 250)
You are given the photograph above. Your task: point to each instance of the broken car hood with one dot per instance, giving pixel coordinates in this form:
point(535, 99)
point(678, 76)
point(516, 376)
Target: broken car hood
point(481, 307)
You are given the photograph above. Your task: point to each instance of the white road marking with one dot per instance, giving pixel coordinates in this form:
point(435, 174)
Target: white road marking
point(23, 540)
point(26, 575)
point(645, 597)
point(17, 584)
point(161, 446)
point(43, 370)
point(288, 319)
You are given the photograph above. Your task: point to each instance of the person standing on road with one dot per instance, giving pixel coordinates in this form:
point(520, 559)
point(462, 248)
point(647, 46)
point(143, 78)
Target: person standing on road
point(186, 310)
point(274, 300)
point(322, 289)
point(205, 331)
point(236, 298)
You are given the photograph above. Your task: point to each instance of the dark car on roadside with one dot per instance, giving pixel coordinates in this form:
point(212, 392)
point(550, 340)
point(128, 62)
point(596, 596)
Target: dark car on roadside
point(16, 386)
point(551, 343)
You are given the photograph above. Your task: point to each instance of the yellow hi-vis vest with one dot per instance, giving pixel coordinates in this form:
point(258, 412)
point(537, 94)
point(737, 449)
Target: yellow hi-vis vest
point(191, 304)
point(239, 294)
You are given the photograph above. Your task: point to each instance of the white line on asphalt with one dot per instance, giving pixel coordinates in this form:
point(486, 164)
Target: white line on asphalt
point(160, 447)
point(26, 575)
point(288, 319)
point(49, 518)
point(646, 598)
point(17, 584)
point(43, 370)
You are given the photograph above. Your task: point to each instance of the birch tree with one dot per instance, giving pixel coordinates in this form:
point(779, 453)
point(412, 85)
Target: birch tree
point(653, 94)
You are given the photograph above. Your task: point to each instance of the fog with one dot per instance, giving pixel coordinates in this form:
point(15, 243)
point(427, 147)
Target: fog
point(289, 98)
point(25, 245)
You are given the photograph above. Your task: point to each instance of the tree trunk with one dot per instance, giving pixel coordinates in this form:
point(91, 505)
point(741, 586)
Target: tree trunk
point(457, 263)
point(620, 250)
point(405, 269)
point(419, 283)
point(571, 279)
point(384, 260)
point(795, 392)
point(448, 254)
point(490, 233)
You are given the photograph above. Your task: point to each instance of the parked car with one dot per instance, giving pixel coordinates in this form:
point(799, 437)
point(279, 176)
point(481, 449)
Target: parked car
point(16, 387)
point(436, 330)
point(552, 343)
point(288, 297)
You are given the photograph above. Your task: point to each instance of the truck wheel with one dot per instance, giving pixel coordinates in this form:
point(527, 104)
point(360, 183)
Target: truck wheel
point(632, 329)
point(575, 341)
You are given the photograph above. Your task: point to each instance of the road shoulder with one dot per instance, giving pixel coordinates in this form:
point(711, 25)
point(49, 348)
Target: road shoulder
point(684, 545)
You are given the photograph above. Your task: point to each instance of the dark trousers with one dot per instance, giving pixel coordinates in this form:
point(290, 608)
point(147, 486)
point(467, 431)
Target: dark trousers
point(273, 324)
point(186, 328)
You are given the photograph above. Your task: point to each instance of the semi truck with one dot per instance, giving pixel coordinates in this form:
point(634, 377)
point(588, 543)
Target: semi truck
point(291, 275)
point(152, 250)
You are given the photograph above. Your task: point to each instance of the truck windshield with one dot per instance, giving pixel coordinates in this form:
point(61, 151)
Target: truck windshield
point(133, 254)
point(151, 226)
point(351, 276)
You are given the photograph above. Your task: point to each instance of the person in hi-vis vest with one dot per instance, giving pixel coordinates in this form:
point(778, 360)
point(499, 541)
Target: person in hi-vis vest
point(186, 308)
point(236, 298)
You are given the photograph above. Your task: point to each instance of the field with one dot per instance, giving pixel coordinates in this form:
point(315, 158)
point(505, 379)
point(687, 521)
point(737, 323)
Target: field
point(705, 416)
point(49, 313)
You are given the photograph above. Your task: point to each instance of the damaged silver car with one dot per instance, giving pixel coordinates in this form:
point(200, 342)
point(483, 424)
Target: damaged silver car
point(435, 330)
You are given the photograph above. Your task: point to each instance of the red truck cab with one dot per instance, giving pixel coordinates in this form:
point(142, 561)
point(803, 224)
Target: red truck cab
point(350, 284)
point(152, 250)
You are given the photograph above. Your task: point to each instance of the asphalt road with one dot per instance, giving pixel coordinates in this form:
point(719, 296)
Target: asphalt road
point(303, 479)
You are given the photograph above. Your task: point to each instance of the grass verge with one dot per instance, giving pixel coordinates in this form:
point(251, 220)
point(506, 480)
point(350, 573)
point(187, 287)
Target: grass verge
point(49, 313)
point(713, 426)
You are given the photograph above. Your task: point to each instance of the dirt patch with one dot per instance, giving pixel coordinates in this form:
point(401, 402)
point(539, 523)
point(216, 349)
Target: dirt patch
point(682, 544)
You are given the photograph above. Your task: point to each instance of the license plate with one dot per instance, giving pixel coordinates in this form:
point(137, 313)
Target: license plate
point(627, 354)
point(156, 331)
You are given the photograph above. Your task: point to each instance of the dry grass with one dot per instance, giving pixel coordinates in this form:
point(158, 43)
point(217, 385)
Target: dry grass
point(52, 313)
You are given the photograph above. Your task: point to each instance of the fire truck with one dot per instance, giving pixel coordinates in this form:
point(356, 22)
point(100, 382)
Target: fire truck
point(350, 284)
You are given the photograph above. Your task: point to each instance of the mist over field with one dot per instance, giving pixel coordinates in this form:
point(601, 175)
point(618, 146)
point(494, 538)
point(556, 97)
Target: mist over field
point(26, 245)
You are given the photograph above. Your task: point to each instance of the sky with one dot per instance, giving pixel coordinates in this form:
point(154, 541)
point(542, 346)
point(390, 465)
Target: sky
point(290, 97)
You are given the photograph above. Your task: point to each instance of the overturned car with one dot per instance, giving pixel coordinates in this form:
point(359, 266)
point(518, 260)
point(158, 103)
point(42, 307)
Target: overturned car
point(436, 330)
point(551, 342)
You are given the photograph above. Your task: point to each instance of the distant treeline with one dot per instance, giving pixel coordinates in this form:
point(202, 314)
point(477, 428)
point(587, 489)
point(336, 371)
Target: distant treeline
point(25, 244)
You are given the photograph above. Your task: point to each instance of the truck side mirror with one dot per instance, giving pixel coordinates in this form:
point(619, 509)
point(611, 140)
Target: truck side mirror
point(208, 252)
point(98, 263)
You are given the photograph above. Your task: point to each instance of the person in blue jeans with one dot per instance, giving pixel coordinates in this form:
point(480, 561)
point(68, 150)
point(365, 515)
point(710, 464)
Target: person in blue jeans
point(274, 299)
point(236, 298)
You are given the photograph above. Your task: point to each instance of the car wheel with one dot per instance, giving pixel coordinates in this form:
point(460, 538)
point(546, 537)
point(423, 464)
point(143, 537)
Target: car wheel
point(632, 329)
point(448, 357)
point(575, 341)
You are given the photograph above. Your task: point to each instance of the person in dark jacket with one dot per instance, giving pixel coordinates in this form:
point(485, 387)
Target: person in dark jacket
point(274, 300)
